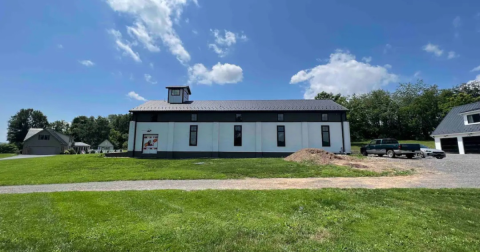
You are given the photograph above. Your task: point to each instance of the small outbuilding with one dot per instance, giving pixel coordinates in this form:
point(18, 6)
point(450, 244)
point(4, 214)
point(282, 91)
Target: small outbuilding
point(79, 147)
point(106, 145)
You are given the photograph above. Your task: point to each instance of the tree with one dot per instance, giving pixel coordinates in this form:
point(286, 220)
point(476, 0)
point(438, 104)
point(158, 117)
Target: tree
point(82, 129)
point(125, 145)
point(60, 126)
point(20, 123)
point(115, 138)
point(338, 98)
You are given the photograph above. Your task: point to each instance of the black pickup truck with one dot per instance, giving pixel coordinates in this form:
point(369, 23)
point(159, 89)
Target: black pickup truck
point(391, 148)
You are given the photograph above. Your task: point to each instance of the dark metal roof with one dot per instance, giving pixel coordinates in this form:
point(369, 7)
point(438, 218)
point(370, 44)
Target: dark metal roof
point(64, 139)
point(246, 105)
point(177, 87)
point(453, 123)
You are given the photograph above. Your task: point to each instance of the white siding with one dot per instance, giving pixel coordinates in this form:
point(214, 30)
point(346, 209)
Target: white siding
point(346, 131)
point(256, 136)
point(131, 135)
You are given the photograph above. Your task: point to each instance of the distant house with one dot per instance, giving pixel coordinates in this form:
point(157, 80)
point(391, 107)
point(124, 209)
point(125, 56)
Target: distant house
point(79, 147)
point(459, 132)
point(46, 142)
point(106, 145)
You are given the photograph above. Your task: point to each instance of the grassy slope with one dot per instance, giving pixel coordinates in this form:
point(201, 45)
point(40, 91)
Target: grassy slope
point(356, 145)
point(84, 168)
point(4, 155)
point(286, 220)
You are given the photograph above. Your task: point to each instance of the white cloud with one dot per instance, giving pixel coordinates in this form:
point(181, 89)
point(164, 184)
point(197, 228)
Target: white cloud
point(156, 17)
point(86, 63)
point(387, 48)
point(141, 34)
point(457, 22)
point(195, 32)
point(417, 74)
point(151, 65)
point(224, 42)
point(148, 78)
point(343, 74)
point(476, 69)
point(220, 74)
point(367, 59)
point(135, 96)
point(452, 55)
point(60, 46)
point(435, 49)
point(477, 81)
point(388, 66)
point(124, 46)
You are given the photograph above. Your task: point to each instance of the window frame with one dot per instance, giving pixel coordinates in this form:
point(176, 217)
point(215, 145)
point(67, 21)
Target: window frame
point(190, 135)
point(238, 118)
point(194, 115)
point(284, 136)
point(173, 94)
point(282, 117)
point(326, 117)
point(235, 143)
point(44, 137)
point(329, 144)
point(472, 119)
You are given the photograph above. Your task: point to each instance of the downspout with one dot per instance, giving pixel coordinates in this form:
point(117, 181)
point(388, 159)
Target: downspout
point(343, 133)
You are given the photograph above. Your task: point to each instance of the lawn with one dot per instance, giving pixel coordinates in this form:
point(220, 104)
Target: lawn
point(356, 145)
point(284, 220)
point(86, 168)
point(5, 155)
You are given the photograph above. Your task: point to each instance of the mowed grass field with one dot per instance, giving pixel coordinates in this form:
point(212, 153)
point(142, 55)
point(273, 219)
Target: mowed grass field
point(356, 145)
point(91, 167)
point(283, 220)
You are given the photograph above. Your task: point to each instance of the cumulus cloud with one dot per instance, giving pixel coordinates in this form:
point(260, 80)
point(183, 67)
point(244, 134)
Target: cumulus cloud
point(476, 81)
point(417, 74)
point(148, 78)
point(87, 63)
point(225, 40)
point(367, 59)
point(135, 96)
point(452, 55)
point(435, 49)
point(219, 74)
point(141, 34)
point(343, 74)
point(124, 46)
point(476, 69)
point(155, 17)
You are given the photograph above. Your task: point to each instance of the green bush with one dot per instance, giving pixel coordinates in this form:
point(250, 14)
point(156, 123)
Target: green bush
point(66, 152)
point(72, 151)
point(125, 145)
point(92, 152)
point(8, 148)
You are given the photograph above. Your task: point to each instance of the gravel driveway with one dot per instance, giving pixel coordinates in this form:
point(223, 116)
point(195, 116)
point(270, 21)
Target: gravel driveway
point(25, 156)
point(456, 171)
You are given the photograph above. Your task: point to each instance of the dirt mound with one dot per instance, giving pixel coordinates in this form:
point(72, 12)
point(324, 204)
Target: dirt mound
point(317, 156)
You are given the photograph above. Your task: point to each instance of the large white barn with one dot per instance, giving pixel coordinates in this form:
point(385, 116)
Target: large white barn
point(181, 128)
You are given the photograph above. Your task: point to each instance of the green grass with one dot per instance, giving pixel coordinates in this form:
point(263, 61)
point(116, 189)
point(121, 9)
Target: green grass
point(284, 220)
point(86, 168)
point(356, 145)
point(5, 155)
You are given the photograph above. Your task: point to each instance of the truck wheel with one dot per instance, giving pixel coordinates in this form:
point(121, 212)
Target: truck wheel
point(391, 154)
point(364, 153)
point(380, 155)
point(409, 156)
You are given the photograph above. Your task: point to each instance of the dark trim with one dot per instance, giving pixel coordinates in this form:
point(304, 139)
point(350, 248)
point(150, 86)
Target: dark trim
point(235, 136)
point(329, 137)
point(238, 117)
point(284, 136)
point(210, 154)
point(134, 137)
point(278, 117)
point(218, 116)
point(190, 136)
point(326, 114)
point(182, 91)
point(343, 136)
point(196, 117)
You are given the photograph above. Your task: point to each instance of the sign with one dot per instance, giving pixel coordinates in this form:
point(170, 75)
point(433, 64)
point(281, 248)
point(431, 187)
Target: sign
point(150, 144)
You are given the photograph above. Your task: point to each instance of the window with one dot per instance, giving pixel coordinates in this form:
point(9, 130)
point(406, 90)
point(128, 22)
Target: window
point(281, 136)
point(154, 118)
point(473, 118)
point(237, 135)
point(175, 92)
point(194, 117)
point(324, 117)
point(326, 136)
point(373, 142)
point(193, 135)
point(379, 141)
point(280, 117)
point(43, 137)
point(238, 117)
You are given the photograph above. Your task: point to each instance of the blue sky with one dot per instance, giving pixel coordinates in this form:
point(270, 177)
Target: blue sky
point(101, 57)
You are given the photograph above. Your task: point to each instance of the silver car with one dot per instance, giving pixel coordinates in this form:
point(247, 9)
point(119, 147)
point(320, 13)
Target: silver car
point(428, 152)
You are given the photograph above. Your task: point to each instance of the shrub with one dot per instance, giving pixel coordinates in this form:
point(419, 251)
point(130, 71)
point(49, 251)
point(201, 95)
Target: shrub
point(101, 151)
point(125, 145)
point(92, 152)
point(72, 151)
point(66, 152)
point(8, 148)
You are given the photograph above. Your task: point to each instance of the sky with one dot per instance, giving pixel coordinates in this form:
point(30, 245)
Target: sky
point(101, 57)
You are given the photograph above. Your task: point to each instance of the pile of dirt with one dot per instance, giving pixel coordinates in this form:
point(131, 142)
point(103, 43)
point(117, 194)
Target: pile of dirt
point(317, 156)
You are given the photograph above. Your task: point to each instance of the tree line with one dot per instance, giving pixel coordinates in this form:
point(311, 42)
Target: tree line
point(412, 111)
point(90, 130)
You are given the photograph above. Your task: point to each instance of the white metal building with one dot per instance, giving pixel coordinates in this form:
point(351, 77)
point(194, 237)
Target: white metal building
point(180, 128)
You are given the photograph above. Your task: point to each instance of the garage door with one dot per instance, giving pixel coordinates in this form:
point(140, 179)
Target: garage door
point(43, 150)
point(449, 145)
point(471, 145)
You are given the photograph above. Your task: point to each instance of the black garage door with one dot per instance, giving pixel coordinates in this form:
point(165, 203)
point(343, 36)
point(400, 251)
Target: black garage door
point(471, 145)
point(449, 145)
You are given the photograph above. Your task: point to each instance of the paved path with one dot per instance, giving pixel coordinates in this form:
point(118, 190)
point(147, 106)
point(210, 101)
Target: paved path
point(417, 181)
point(25, 156)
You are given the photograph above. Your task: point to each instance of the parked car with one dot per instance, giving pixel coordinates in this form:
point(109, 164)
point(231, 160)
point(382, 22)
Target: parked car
point(391, 148)
point(427, 152)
